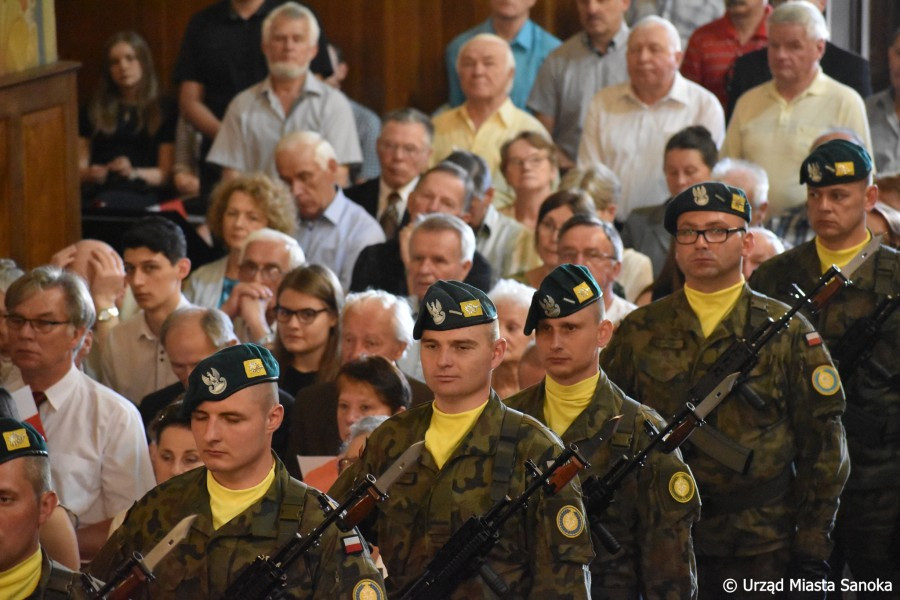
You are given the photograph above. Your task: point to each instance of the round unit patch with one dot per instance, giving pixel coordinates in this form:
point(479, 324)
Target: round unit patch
point(367, 589)
point(825, 380)
point(681, 487)
point(570, 521)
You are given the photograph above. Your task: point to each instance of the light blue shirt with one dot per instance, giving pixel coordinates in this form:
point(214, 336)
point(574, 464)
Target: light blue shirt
point(337, 237)
point(530, 47)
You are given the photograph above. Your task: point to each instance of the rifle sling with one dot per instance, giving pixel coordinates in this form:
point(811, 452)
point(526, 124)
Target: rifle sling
point(723, 449)
point(759, 495)
point(505, 459)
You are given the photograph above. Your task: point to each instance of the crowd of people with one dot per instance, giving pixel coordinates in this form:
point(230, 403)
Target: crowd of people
point(584, 231)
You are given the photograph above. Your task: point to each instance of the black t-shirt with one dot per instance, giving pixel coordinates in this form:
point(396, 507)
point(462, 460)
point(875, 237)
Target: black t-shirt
point(139, 145)
point(292, 380)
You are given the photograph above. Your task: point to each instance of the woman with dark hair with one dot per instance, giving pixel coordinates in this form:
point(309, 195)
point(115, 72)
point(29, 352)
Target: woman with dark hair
point(308, 308)
point(555, 210)
point(127, 131)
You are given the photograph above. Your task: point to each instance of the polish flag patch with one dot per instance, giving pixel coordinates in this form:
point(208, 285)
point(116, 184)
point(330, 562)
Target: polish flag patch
point(813, 339)
point(352, 544)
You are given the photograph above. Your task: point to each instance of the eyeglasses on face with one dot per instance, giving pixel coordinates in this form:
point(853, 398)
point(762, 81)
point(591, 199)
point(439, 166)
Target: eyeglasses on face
point(248, 270)
point(304, 315)
point(715, 235)
point(591, 256)
point(17, 322)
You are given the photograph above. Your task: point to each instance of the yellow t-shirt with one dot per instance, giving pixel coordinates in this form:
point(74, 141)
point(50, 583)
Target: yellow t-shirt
point(712, 308)
point(446, 431)
point(565, 402)
point(21, 581)
point(225, 504)
point(838, 257)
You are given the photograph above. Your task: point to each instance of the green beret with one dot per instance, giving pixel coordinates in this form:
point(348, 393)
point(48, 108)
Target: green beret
point(453, 305)
point(566, 290)
point(20, 439)
point(710, 196)
point(227, 371)
point(834, 162)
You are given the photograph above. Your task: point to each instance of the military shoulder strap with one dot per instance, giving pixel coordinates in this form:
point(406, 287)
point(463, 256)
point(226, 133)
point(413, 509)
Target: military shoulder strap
point(291, 511)
point(60, 582)
point(505, 458)
point(759, 312)
point(621, 439)
point(885, 273)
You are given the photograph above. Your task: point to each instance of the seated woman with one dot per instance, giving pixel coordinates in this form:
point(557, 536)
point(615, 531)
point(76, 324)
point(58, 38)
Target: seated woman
point(239, 207)
point(126, 132)
point(555, 210)
point(367, 386)
point(308, 306)
point(173, 450)
point(512, 300)
point(529, 163)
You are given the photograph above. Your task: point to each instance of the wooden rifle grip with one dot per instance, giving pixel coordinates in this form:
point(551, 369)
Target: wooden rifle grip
point(678, 435)
point(831, 288)
point(360, 510)
point(126, 589)
point(564, 474)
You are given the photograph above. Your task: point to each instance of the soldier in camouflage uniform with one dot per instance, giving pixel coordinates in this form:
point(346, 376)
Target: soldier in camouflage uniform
point(838, 176)
point(233, 402)
point(475, 449)
point(653, 511)
point(772, 460)
point(26, 571)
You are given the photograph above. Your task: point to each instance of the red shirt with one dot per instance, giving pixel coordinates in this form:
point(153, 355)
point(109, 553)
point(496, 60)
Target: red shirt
point(712, 50)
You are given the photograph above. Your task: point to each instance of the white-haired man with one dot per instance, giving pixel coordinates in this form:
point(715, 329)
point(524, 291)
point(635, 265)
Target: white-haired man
point(636, 118)
point(265, 258)
point(289, 99)
point(751, 178)
point(333, 229)
point(488, 117)
point(774, 124)
point(373, 323)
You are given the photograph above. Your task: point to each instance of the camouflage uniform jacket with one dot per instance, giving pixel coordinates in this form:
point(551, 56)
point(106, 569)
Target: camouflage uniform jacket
point(426, 505)
point(205, 562)
point(653, 528)
point(873, 392)
point(659, 352)
point(57, 582)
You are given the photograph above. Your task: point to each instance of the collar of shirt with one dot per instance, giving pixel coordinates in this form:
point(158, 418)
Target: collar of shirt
point(679, 93)
point(818, 87)
point(489, 222)
point(311, 87)
point(524, 38)
point(333, 212)
point(60, 392)
point(619, 41)
point(384, 190)
point(504, 114)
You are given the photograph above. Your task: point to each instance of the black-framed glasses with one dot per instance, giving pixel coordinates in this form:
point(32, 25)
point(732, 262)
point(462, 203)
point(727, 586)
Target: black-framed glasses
point(715, 235)
point(304, 315)
point(248, 270)
point(591, 256)
point(17, 322)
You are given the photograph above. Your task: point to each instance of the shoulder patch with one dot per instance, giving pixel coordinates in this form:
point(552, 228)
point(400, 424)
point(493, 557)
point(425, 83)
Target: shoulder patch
point(352, 544)
point(681, 487)
point(570, 521)
point(826, 380)
point(368, 589)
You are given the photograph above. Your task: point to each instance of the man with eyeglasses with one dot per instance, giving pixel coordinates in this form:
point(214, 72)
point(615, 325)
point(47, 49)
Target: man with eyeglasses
point(155, 257)
point(98, 454)
point(404, 149)
point(774, 459)
point(265, 258)
point(332, 229)
point(586, 240)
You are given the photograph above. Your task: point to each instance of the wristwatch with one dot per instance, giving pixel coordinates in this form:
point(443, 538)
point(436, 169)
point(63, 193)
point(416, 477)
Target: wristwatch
point(107, 313)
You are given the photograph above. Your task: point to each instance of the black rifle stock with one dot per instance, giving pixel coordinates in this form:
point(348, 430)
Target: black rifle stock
point(856, 343)
point(466, 551)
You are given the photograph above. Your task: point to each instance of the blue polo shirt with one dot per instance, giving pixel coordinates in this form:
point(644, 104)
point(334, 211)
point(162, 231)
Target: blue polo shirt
point(530, 47)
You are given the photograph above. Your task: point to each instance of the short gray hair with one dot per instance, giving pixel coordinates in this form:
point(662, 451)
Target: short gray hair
point(79, 305)
point(510, 290)
point(671, 31)
point(295, 252)
point(760, 191)
point(9, 272)
point(322, 149)
point(599, 181)
point(609, 230)
point(401, 317)
point(496, 39)
point(444, 222)
point(801, 13)
point(294, 12)
point(410, 115)
point(776, 242)
point(451, 168)
point(214, 323)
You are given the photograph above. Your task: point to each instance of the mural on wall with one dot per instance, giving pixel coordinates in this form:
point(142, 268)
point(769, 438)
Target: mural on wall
point(27, 34)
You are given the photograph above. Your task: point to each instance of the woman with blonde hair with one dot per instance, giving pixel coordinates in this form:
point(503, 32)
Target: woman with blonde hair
point(308, 309)
point(239, 207)
point(529, 163)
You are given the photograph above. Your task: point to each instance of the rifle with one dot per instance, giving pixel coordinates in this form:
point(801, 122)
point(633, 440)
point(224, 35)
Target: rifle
point(857, 341)
point(266, 575)
point(466, 551)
